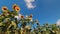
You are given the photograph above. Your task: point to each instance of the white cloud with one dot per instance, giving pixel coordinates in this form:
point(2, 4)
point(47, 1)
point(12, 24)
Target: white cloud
point(29, 4)
point(29, 1)
point(58, 22)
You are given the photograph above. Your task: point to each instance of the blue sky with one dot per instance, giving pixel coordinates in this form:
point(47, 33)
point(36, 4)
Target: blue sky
point(45, 10)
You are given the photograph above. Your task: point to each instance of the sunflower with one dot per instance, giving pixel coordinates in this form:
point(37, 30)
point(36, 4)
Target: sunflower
point(4, 9)
point(16, 8)
point(30, 17)
point(21, 16)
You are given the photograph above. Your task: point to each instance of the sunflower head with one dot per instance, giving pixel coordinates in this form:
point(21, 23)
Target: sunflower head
point(21, 16)
point(4, 9)
point(16, 8)
point(30, 16)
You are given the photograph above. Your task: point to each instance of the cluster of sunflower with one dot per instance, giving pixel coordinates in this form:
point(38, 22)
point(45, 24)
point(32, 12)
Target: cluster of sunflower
point(11, 22)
